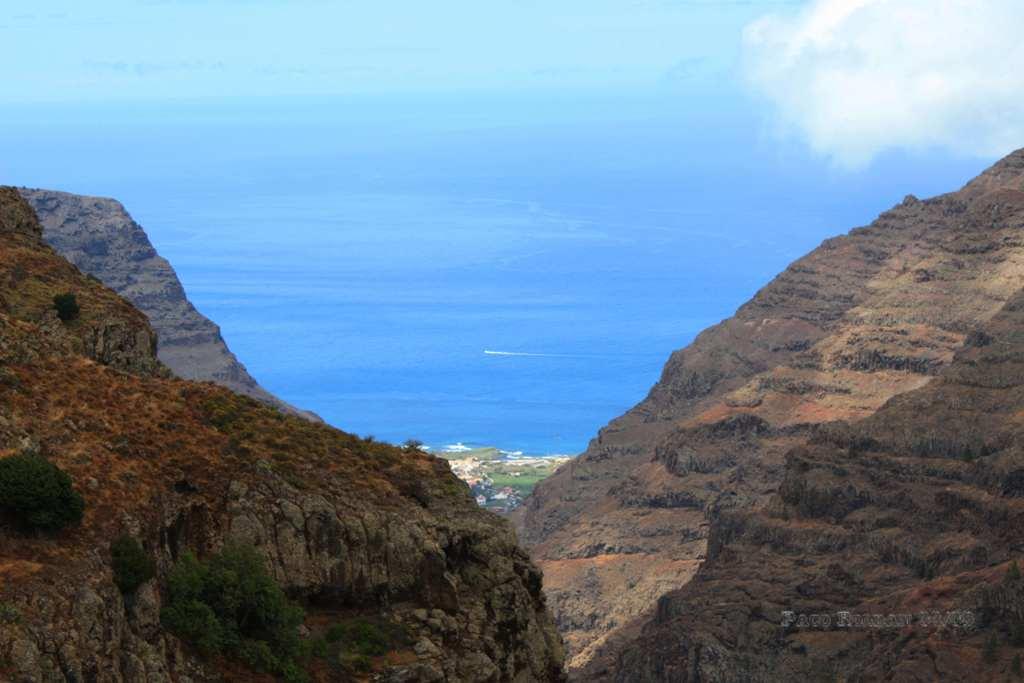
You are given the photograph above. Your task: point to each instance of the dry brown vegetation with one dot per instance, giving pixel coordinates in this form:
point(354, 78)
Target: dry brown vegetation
point(164, 460)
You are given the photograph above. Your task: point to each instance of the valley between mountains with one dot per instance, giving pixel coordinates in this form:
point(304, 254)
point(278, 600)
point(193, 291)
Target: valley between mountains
point(850, 442)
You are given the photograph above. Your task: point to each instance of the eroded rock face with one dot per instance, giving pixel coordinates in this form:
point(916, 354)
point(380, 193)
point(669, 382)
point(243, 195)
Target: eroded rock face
point(468, 597)
point(347, 525)
point(865, 317)
point(900, 530)
point(100, 237)
point(16, 217)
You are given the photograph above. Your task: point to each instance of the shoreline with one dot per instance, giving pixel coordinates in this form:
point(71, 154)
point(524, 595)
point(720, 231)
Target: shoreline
point(458, 450)
point(499, 480)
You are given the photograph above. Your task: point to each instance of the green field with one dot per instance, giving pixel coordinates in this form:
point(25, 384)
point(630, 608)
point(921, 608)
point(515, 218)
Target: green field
point(530, 472)
point(521, 474)
point(523, 484)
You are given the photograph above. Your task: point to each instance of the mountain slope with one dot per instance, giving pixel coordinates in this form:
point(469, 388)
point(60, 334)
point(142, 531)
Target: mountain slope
point(100, 237)
point(351, 528)
point(865, 317)
point(916, 511)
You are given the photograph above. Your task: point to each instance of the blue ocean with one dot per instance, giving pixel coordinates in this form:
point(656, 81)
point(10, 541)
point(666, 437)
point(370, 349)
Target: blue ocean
point(509, 271)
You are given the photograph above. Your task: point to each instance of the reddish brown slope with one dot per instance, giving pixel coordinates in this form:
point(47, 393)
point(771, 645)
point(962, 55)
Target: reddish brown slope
point(108, 330)
point(863, 318)
point(918, 509)
point(346, 525)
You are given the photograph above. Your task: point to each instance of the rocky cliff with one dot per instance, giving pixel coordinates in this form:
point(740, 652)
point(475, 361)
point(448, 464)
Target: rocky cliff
point(348, 527)
point(100, 237)
point(734, 431)
point(886, 552)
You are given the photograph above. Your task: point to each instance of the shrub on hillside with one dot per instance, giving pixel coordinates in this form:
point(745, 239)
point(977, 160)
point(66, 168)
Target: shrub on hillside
point(132, 566)
point(361, 637)
point(67, 306)
point(9, 614)
point(230, 605)
point(355, 642)
point(38, 493)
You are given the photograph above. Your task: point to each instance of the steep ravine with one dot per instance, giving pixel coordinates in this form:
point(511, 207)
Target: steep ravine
point(866, 317)
point(346, 525)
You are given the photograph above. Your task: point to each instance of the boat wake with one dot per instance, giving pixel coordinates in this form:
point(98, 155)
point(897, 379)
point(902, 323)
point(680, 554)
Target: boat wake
point(527, 355)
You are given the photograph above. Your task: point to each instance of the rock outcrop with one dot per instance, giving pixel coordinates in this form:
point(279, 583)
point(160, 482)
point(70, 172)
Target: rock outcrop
point(108, 330)
point(347, 526)
point(873, 315)
point(101, 238)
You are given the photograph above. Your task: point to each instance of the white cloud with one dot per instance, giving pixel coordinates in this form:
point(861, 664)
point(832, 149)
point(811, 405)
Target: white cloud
point(857, 77)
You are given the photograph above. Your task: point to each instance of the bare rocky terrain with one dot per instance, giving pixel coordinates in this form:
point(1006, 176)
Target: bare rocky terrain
point(101, 238)
point(846, 441)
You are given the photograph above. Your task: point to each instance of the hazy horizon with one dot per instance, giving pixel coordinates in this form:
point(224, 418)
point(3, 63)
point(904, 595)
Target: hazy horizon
point(361, 264)
point(583, 180)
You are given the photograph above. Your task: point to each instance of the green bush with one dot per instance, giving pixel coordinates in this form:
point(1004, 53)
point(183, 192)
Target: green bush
point(67, 306)
point(364, 638)
point(38, 493)
point(336, 633)
point(9, 614)
point(132, 566)
point(356, 663)
point(229, 604)
point(317, 647)
point(355, 642)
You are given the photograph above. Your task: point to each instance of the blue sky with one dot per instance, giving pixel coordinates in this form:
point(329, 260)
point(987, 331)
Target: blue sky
point(133, 49)
point(852, 79)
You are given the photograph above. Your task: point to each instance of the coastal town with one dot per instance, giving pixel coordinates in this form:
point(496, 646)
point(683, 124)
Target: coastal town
point(499, 480)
